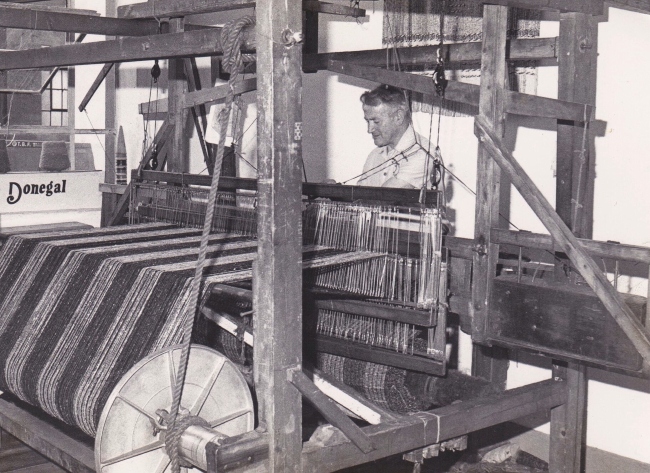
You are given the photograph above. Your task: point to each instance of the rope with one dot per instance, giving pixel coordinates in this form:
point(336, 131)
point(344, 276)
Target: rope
point(231, 39)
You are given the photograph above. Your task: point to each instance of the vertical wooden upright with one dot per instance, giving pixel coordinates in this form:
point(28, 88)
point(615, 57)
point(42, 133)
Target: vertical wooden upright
point(489, 363)
point(4, 98)
point(72, 109)
point(577, 57)
point(278, 273)
point(177, 161)
point(110, 123)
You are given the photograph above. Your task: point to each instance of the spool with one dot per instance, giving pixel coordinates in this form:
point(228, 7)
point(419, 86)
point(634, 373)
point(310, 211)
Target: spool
point(131, 436)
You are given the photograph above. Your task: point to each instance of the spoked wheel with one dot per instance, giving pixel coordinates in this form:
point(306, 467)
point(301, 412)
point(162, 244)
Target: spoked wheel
point(129, 436)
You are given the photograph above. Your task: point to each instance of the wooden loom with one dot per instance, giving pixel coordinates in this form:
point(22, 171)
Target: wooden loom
point(492, 319)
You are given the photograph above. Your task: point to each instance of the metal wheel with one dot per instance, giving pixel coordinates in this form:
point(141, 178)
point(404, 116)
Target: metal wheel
point(127, 438)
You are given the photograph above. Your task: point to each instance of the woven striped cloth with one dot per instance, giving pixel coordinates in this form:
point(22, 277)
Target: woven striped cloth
point(78, 309)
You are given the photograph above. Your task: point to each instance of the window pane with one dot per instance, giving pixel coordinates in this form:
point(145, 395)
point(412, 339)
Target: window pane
point(56, 100)
point(56, 119)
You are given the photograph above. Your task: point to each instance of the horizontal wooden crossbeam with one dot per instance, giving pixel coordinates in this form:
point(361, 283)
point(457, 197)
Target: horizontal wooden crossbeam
point(639, 6)
point(590, 7)
point(600, 249)
point(565, 239)
point(205, 42)
point(333, 9)
point(519, 49)
point(199, 97)
point(517, 103)
point(405, 434)
point(179, 8)
point(31, 19)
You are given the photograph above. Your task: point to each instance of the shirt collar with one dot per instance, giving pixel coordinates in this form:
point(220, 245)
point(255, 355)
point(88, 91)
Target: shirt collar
point(405, 142)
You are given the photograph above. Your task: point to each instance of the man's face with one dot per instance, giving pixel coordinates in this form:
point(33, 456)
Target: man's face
point(385, 124)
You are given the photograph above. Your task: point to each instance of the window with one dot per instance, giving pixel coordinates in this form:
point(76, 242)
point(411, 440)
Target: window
point(54, 109)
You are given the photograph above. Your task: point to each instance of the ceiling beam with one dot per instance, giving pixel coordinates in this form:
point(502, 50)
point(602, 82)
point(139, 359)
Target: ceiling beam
point(178, 8)
point(163, 46)
point(24, 18)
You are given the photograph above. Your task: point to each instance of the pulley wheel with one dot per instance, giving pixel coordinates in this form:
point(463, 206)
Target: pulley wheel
point(127, 438)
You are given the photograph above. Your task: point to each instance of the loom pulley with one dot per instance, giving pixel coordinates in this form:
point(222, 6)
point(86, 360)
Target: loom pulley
point(216, 404)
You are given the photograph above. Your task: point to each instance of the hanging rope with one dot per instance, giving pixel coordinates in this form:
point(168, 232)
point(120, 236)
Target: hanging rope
point(233, 63)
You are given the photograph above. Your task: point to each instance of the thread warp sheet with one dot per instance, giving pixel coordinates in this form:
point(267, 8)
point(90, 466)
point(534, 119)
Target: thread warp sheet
point(79, 308)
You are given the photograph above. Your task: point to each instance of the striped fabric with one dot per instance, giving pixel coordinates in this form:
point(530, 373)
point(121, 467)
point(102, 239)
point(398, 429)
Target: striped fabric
point(78, 309)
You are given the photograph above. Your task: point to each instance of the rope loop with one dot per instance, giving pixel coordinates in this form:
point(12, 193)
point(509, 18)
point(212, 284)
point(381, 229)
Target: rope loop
point(231, 41)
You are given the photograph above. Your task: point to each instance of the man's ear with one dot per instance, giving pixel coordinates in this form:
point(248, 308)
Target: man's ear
point(400, 116)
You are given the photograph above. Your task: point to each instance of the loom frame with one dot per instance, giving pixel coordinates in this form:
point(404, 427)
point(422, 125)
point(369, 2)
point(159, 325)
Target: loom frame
point(564, 395)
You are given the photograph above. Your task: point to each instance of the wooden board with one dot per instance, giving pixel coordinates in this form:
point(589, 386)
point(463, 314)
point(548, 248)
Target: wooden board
point(46, 439)
point(565, 321)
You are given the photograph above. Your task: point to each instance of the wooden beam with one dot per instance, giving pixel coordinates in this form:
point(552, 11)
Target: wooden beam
point(198, 112)
point(528, 49)
point(178, 8)
point(427, 428)
point(405, 434)
point(310, 189)
point(164, 46)
point(177, 160)
point(568, 427)
point(29, 19)
point(331, 411)
point(565, 239)
point(589, 7)
point(200, 97)
point(46, 439)
point(333, 9)
point(639, 6)
point(277, 275)
point(597, 249)
point(514, 102)
point(95, 85)
point(489, 363)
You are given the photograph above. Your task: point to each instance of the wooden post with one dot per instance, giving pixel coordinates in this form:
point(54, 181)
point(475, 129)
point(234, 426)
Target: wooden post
point(70, 105)
point(568, 426)
point(278, 273)
point(109, 201)
point(3, 82)
point(491, 364)
point(177, 161)
point(577, 57)
point(311, 34)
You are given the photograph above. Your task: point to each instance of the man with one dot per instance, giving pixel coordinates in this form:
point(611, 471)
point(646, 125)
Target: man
point(401, 158)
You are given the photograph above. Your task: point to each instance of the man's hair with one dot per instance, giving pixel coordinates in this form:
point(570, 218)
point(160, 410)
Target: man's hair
point(389, 95)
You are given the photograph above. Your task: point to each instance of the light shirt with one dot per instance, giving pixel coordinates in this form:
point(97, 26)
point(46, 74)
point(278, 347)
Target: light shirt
point(405, 162)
